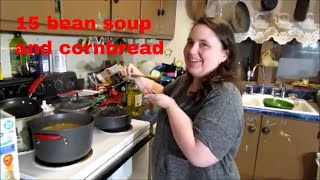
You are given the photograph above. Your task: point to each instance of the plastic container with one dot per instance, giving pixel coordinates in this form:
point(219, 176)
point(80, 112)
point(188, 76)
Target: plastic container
point(9, 162)
point(48, 109)
point(59, 62)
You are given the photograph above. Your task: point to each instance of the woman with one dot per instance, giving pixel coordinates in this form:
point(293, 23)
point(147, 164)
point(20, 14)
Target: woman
point(200, 122)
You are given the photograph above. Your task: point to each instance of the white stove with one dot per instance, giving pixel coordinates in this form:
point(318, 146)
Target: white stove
point(106, 149)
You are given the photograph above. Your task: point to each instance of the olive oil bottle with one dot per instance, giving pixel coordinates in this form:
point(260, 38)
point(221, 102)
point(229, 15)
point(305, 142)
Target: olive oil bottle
point(18, 62)
point(134, 99)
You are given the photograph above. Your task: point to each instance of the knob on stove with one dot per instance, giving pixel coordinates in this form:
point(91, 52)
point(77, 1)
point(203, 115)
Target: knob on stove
point(58, 84)
point(70, 85)
point(23, 90)
point(2, 94)
point(40, 89)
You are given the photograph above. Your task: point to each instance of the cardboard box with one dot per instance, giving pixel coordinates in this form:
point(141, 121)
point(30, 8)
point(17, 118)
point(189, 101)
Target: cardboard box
point(9, 162)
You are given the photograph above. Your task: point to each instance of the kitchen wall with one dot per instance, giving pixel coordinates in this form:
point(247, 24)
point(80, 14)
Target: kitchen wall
point(82, 64)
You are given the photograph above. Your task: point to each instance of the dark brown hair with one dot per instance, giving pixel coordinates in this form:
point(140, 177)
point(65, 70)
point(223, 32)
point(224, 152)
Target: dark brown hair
point(224, 72)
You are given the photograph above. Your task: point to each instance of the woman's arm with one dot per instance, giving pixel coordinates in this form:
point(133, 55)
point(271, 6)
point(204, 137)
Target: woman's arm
point(145, 85)
point(195, 151)
point(182, 128)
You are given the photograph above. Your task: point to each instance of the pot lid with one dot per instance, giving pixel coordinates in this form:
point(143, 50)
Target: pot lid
point(76, 104)
point(114, 112)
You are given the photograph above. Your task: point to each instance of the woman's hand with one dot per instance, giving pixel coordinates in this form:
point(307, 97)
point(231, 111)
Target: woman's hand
point(161, 100)
point(130, 69)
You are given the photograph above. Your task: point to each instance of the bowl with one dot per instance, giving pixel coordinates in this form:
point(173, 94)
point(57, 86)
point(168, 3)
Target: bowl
point(277, 103)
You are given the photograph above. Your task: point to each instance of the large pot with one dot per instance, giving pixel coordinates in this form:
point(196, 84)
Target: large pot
point(24, 109)
point(63, 144)
point(112, 118)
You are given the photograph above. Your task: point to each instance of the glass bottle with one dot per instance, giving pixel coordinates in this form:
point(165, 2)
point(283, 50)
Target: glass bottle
point(18, 62)
point(239, 70)
point(134, 99)
point(249, 69)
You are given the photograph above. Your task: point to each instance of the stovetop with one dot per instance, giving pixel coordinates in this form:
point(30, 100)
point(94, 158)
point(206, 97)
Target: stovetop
point(105, 148)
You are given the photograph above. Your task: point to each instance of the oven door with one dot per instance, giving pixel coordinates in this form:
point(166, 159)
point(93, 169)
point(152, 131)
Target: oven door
point(131, 163)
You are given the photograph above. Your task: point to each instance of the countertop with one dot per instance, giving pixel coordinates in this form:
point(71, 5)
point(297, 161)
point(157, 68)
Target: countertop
point(286, 114)
point(151, 116)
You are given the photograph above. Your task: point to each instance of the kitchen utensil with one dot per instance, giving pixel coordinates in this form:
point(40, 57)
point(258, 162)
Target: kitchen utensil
point(237, 15)
point(112, 118)
point(309, 22)
point(277, 103)
point(195, 8)
point(24, 109)
point(213, 8)
point(301, 10)
point(145, 76)
point(260, 21)
point(283, 21)
point(268, 5)
point(65, 145)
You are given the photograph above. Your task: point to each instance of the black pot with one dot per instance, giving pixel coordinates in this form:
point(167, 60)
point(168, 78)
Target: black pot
point(112, 118)
point(66, 145)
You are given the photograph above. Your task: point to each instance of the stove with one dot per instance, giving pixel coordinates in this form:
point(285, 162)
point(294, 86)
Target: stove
point(107, 148)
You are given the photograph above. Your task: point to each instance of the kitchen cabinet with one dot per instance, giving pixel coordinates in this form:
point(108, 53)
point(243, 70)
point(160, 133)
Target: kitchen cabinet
point(278, 148)
point(247, 152)
point(126, 10)
point(97, 10)
point(162, 14)
point(13, 9)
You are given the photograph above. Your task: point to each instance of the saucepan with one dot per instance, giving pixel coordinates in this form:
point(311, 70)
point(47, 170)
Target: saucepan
point(24, 109)
point(112, 118)
point(62, 138)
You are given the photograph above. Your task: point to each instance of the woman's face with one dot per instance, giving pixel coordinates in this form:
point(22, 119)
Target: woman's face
point(203, 52)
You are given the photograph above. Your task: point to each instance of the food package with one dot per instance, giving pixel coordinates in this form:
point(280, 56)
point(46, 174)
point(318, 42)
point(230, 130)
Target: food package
point(9, 152)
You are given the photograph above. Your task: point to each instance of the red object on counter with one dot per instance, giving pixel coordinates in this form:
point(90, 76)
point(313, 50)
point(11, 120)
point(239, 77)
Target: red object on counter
point(113, 99)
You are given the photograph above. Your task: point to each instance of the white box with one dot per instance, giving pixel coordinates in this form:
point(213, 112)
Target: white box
point(9, 162)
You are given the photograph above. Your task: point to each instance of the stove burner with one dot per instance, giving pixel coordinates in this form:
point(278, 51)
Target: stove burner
point(47, 164)
point(117, 130)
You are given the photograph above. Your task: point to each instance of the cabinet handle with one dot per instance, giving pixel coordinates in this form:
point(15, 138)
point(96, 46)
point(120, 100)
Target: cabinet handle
point(58, 6)
point(115, 1)
point(265, 130)
point(251, 129)
point(159, 12)
point(163, 12)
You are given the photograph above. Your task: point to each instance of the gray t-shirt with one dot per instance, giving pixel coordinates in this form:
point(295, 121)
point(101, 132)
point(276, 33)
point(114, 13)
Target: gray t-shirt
point(217, 123)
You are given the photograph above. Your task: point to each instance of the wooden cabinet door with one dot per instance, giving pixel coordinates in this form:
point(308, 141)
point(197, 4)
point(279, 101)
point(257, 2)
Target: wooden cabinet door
point(247, 152)
point(126, 10)
point(151, 9)
point(98, 10)
point(287, 149)
point(13, 9)
point(168, 17)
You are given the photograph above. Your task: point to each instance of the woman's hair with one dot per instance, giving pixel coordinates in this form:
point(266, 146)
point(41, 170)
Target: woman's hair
point(224, 72)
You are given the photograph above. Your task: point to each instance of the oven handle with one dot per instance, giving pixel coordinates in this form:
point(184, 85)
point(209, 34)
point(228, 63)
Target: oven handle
point(118, 163)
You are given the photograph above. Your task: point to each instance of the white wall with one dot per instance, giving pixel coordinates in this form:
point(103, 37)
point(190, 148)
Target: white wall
point(82, 64)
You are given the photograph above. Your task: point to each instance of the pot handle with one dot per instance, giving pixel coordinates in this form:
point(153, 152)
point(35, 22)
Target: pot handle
point(48, 137)
point(35, 84)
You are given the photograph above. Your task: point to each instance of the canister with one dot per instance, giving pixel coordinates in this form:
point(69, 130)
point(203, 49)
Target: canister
point(59, 62)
